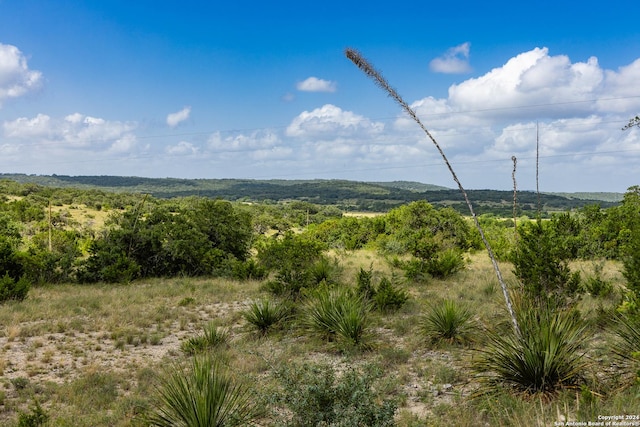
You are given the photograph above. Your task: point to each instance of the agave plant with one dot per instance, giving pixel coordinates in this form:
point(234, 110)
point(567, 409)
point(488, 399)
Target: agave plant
point(547, 356)
point(448, 322)
point(338, 314)
point(202, 395)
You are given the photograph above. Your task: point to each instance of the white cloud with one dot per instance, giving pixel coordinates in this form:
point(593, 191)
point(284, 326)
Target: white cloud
point(534, 84)
point(24, 128)
point(329, 121)
point(454, 61)
point(75, 130)
point(314, 84)
point(126, 144)
point(260, 145)
point(182, 148)
point(16, 79)
point(174, 119)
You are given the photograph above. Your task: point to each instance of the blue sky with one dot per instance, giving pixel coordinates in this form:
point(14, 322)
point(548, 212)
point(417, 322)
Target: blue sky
point(263, 90)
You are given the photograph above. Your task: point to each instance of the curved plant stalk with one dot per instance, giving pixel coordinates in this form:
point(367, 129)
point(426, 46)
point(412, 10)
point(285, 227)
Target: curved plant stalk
point(372, 73)
point(515, 196)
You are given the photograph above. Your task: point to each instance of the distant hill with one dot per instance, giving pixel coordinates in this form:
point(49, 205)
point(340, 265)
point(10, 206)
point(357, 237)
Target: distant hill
point(411, 186)
point(605, 197)
point(347, 195)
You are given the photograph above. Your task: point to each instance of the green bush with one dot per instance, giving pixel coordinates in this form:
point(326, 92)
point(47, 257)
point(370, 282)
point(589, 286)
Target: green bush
point(35, 418)
point(211, 337)
point(596, 285)
point(364, 282)
point(389, 297)
point(541, 266)
point(445, 263)
point(290, 283)
point(248, 270)
point(11, 289)
point(316, 397)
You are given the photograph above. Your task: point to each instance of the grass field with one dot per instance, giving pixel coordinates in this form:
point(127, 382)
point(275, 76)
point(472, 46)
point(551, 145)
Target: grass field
point(91, 354)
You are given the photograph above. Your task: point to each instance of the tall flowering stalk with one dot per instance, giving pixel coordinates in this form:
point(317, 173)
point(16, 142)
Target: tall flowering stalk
point(372, 73)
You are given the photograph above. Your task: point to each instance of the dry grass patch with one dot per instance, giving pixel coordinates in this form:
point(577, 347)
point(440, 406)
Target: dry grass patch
point(113, 339)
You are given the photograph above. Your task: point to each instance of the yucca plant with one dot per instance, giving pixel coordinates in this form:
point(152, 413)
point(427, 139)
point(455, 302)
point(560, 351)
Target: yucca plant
point(448, 322)
point(547, 356)
point(338, 314)
point(264, 314)
point(627, 350)
point(211, 337)
point(202, 395)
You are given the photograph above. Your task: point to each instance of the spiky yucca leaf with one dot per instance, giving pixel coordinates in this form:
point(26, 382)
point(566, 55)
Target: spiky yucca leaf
point(265, 314)
point(627, 351)
point(202, 395)
point(338, 314)
point(449, 322)
point(547, 356)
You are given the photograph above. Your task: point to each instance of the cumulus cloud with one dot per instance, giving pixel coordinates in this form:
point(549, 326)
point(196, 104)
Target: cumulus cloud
point(534, 83)
point(258, 139)
point(174, 119)
point(454, 61)
point(330, 120)
point(182, 148)
point(16, 79)
point(75, 130)
point(314, 84)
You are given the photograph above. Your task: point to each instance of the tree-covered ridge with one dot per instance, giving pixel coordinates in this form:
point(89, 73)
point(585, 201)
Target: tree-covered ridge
point(346, 195)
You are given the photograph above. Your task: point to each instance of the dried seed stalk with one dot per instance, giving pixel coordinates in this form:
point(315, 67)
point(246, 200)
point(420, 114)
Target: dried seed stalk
point(372, 73)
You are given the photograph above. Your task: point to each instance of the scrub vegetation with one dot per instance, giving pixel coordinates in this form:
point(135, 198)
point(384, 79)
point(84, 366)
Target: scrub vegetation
point(124, 309)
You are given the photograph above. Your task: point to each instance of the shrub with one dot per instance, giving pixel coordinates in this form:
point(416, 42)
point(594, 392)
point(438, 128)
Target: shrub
point(325, 270)
point(389, 297)
point(445, 263)
point(338, 314)
point(11, 289)
point(540, 266)
point(546, 357)
point(248, 270)
point(289, 283)
point(448, 322)
point(386, 297)
point(596, 285)
point(364, 284)
point(317, 398)
point(440, 265)
point(265, 314)
point(35, 418)
point(200, 396)
point(211, 337)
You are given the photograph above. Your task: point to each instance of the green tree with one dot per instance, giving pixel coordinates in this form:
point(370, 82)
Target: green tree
point(630, 236)
point(541, 266)
point(201, 237)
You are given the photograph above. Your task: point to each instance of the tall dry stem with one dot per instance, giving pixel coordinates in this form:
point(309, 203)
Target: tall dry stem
point(372, 73)
point(515, 196)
